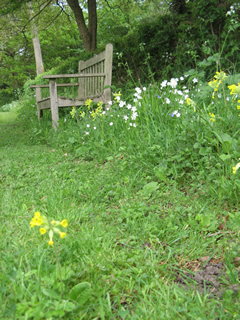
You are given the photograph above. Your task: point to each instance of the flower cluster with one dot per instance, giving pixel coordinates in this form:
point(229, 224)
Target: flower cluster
point(236, 167)
point(53, 227)
point(212, 117)
point(235, 90)
point(191, 103)
point(73, 112)
point(175, 113)
point(117, 96)
point(218, 79)
point(98, 111)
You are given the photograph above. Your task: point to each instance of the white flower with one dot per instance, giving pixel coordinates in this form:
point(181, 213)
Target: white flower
point(130, 124)
point(107, 109)
point(134, 125)
point(168, 101)
point(122, 104)
point(134, 109)
point(135, 100)
point(195, 80)
point(110, 102)
point(94, 128)
point(134, 115)
point(181, 102)
point(111, 123)
point(144, 88)
point(103, 112)
point(88, 125)
point(117, 98)
point(128, 106)
point(181, 78)
point(137, 96)
point(125, 118)
point(164, 84)
point(173, 82)
point(138, 90)
point(87, 133)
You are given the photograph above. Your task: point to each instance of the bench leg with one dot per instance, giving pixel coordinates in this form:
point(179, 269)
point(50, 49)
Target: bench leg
point(39, 112)
point(54, 102)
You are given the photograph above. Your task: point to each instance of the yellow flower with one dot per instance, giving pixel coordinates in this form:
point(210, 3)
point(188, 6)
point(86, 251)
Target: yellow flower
point(53, 222)
point(37, 214)
point(43, 230)
point(236, 168)
point(32, 223)
point(36, 221)
point(232, 88)
point(62, 234)
point(64, 223)
point(50, 242)
point(212, 117)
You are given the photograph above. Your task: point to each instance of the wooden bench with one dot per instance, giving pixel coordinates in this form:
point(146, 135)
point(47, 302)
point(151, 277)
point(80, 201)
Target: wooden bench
point(94, 81)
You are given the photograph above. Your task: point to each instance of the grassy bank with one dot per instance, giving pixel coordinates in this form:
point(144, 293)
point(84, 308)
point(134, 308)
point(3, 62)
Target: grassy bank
point(151, 202)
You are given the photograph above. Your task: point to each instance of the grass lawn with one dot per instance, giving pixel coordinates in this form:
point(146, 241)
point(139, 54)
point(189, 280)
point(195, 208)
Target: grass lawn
point(134, 249)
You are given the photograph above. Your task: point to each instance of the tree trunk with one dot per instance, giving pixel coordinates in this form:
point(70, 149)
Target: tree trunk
point(87, 33)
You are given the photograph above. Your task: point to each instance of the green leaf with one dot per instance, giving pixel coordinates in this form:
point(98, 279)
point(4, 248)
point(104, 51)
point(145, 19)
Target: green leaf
point(225, 157)
point(50, 293)
point(81, 292)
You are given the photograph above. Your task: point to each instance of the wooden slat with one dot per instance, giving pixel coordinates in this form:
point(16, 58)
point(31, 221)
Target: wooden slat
point(74, 75)
point(58, 85)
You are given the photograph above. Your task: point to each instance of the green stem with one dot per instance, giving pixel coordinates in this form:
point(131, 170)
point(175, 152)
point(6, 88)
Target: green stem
point(58, 264)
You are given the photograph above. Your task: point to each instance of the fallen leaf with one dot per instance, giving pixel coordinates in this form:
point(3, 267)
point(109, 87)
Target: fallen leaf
point(221, 226)
point(225, 219)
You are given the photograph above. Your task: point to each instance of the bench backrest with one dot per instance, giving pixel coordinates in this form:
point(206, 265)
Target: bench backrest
point(94, 87)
